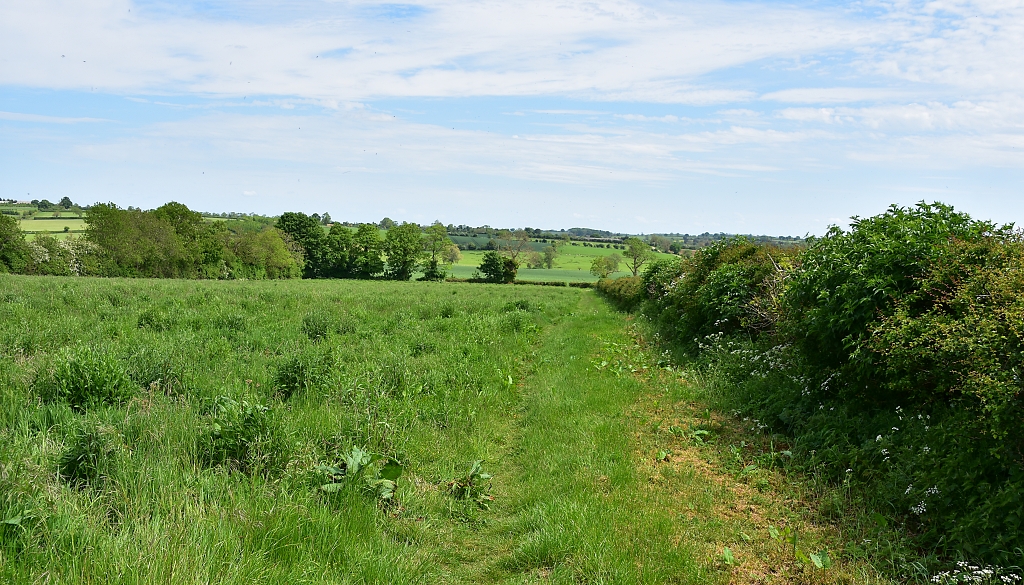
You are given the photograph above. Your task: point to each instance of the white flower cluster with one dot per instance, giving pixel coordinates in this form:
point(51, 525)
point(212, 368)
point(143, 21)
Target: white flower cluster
point(968, 573)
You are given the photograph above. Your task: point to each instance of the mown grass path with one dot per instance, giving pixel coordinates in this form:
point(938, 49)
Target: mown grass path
point(569, 504)
point(600, 484)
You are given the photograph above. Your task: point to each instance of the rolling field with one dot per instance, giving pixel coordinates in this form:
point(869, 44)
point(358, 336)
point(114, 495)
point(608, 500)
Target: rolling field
point(571, 265)
point(362, 432)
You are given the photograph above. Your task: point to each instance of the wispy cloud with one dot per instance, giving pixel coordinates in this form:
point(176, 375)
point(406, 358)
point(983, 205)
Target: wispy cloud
point(19, 117)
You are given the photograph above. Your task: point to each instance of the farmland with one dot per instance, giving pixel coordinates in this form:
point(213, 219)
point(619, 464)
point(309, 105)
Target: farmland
point(370, 432)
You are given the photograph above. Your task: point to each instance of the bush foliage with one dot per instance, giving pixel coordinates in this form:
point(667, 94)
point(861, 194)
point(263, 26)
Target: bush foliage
point(889, 353)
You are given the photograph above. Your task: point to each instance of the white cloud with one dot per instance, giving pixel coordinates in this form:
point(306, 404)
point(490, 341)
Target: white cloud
point(612, 49)
point(18, 117)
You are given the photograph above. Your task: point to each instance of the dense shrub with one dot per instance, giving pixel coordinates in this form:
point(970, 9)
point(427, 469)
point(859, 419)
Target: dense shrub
point(85, 376)
point(498, 268)
point(244, 436)
point(889, 353)
point(625, 292)
point(849, 279)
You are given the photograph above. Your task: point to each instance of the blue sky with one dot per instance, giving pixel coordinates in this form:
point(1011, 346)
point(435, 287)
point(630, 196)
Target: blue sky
point(751, 117)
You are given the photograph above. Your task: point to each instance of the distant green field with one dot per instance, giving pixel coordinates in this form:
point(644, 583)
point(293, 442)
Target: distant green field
point(571, 265)
point(52, 225)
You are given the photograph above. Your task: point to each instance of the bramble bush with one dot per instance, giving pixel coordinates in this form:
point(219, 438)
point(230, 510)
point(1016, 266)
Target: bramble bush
point(890, 354)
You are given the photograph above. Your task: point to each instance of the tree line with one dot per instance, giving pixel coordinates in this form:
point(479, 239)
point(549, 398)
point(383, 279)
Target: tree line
point(173, 241)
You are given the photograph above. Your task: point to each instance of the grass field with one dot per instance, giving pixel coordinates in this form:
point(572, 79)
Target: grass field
point(571, 265)
point(212, 432)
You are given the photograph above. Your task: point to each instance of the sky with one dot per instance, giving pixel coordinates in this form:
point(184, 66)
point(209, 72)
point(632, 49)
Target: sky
point(640, 117)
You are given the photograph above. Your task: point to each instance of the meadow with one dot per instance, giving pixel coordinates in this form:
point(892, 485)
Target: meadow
point(571, 265)
point(374, 432)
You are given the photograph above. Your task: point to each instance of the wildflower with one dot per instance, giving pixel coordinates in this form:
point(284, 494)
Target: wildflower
point(878, 438)
point(909, 489)
point(919, 509)
point(932, 491)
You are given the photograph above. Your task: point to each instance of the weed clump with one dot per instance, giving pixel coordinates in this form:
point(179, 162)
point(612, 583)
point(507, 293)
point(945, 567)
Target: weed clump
point(91, 457)
point(85, 376)
point(475, 486)
point(154, 369)
point(244, 436)
point(305, 371)
point(317, 325)
point(154, 319)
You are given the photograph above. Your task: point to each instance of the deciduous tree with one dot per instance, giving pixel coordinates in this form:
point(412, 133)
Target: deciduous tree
point(638, 253)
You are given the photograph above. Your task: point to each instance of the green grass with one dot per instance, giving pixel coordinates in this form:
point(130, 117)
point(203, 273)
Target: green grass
point(54, 226)
point(571, 265)
point(545, 385)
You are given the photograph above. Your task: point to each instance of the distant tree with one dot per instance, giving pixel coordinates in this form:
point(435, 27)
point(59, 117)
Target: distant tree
point(403, 246)
point(200, 250)
point(603, 266)
point(134, 243)
point(515, 243)
point(44, 205)
point(662, 243)
point(325, 218)
point(14, 252)
point(550, 253)
point(498, 268)
point(387, 223)
point(341, 252)
point(310, 235)
point(638, 253)
point(436, 244)
point(366, 252)
point(66, 203)
point(265, 254)
point(534, 260)
point(452, 255)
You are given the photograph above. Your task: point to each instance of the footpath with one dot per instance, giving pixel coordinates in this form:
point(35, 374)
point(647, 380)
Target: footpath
point(613, 472)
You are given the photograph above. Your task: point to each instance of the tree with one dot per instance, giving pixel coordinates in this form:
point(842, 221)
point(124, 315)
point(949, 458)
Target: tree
point(662, 243)
point(134, 243)
point(310, 235)
point(201, 252)
point(341, 252)
point(387, 223)
point(14, 251)
point(603, 266)
point(550, 253)
point(366, 252)
point(403, 246)
point(498, 268)
point(534, 260)
point(263, 254)
point(436, 244)
point(452, 255)
point(638, 253)
point(325, 218)
point(66, 203)
point(514, 243)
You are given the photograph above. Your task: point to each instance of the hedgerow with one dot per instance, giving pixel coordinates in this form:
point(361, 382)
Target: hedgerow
point(889, 354)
